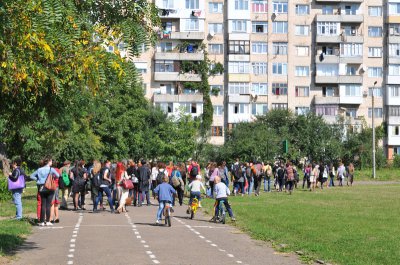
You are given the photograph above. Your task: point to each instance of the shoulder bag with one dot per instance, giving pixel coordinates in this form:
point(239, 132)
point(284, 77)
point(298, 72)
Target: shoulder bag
point(50, 183)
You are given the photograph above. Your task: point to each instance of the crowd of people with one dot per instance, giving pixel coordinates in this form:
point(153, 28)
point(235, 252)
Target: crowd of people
point(127, 182)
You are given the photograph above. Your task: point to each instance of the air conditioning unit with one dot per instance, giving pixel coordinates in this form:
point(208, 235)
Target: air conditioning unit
point(365, 94)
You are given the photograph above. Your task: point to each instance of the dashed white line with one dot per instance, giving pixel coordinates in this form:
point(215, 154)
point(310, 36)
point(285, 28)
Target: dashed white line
point(231, 256)
point(213, 245)
point(156, 261)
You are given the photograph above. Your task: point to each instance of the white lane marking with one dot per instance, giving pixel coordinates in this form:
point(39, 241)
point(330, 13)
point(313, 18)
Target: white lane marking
point(73, 240)
point(202, 237)
point(71, 250)
point(156, 261)
point(142, 241)
point(72, 245)
point(70, 262)
point(146, 246)
point(231, 256)
point(136, 233)
point(197, 233)
point(222, 250)
point(75, 232)
point(152, 256)
point(149, 252)
point(70, 255)
point(74, 235)
point(208, 241)
point(238, 261)
point(138, 236)
point(213, 245)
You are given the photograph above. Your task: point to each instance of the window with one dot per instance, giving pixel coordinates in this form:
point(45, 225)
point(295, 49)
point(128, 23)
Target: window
point(212, 67)
point(352, 90)
point(215, 88)
point(351, 9)
point(192, 4)
point(327, 10)
point(240, 108)
point(302, 110)
point(280, 27)
point(351, 112)
point(166, 46)
point(260, 68)
point(394, 69)
point(279, 68)
point(280, 6)
point(259, 27)
point(189, 91)
point(144, 87)
point(259, 89)
point(218, 110)
point(239, 25)
point(216, 28)
point(302, 50)
point(279, 106)
point(167, 26)
point(375, 52)
point(396, 130)
point(238, 88)
point(167, 89)
point(190, 108)
point(378, 91)
point(327, 28)
point(378, 112)
point(166, 107)
point(327, 69)
point(349, 30)
point(142, 70)
point(239, 47)
point(279, 89)
point(326, 110)
point(168, 4)
point(279, 48)
point(215, 49)
point(375, 71)
point(302, 9)
point(259, 6)
point(329, 91)
point(302, 30)
point(214, 7)
point(394, 29)
point(302, 71)
point(259, 47)
point(375, 11)
point(394, 49)
point(394, 8)
point(302, 91)
point(241, 4)
point(164, 66)
point(394, 111)
point(259, 109)
point(351, 49)
point(375, 32)
point(192, 24)
point(394, 91)
point(239, 67)
point(351, 69)
point(216, 130)
point(330, 50)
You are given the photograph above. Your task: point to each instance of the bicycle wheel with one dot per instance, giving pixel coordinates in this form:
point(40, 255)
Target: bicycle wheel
point(222, 212)
point(168, 220)
point(191, 213)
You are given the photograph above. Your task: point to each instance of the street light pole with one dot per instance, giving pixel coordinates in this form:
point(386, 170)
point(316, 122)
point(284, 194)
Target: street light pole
point(373, 133)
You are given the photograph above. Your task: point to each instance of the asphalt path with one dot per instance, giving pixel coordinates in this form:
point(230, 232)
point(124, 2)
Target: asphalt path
point(133, 238)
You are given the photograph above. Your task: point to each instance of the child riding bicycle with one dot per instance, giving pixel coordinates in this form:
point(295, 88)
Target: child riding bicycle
point(221, 192)
point(164, 193)
point(195, 188)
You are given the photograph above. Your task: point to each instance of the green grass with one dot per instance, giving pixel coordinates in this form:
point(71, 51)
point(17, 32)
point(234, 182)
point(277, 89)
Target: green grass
point(382, 174)
point(358, 225)
point(29, 202)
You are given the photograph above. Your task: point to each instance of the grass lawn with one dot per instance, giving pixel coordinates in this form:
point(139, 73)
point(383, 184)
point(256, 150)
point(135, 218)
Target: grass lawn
point(357, 225)
point(382, 174)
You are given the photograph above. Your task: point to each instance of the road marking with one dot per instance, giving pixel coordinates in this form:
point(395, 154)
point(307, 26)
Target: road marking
point(208, 241)
point(146, 246)
point(138, 236)
point(238, 261)
point(222, 250)
point(231, 256)
point(73, 240)
point(70, 262)
point(149, 252)
point(70, 255)
point(156, 261)
point(72, 245)
point(74, 235)
point(71, 250)
point(197, 233)
point(143, 241)
point(213, 245)
point(152, 256)
point(202, 237)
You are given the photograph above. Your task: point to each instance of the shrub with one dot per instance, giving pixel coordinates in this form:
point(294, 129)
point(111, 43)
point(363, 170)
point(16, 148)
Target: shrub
point(5, 194)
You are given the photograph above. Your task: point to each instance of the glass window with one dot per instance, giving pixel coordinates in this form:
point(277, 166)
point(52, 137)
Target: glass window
point(218, 110)
point(302, 91)
point(212, 67)
point(302, 9)
point(302, 110)
point(394, 8)
point(164, 66)
point(394, 49)
point(280, 6)
point(259, 47)
point(168, 4)
point(394, 111)
point(375, 52)
point(259, 89)
point(279, 48)
point(216, 130)
point(279, 68)
point(239, 47)
point(192, 24)
point(192, 4)
point(378, 91)
point(302, 71)
point(378, 112)
point(351, 49)
point(394, 69)
point(260, 68)
point(375, 71)
point(259, 109)
point(240, 108)
point(327, 28)
point(280, 27)
point(302, 50)
point(238, 88)
point(241, 4)
point(215, 88)
point(327, 69)
point(279, 106)
point(375, 31)
point(215, 7)
point(394, 29)
point(279, 89)
point(166, 46)
point(259, 6)
point(259, 27)
point(302, 30)
point(239, 25)
point(327, 10)
point(239, 67)
point(353, 90)
point(394, 91)
point(216, 28)
point(166, 107)
point(375, 11)
point(215, 49)
point(329, 91)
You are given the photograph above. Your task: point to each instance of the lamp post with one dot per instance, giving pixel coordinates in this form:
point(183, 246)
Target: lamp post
point(373, 133)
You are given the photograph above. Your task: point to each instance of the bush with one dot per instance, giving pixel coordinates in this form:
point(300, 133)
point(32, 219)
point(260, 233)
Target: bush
point(5, 194)
point(396, 161)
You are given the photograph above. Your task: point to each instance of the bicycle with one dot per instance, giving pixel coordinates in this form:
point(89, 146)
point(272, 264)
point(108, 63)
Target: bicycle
point(167, 213)
point(193, 207)
point(221, 212)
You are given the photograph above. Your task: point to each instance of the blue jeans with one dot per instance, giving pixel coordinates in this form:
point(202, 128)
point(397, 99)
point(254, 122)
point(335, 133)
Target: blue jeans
point(143, 195)
point(251, 185)
point(161, 206)
point(227, 207)
point(267, 187)
point(109, 197)
point(194, 194)
point(239, 186)
point(332, 183)
point(17, 198)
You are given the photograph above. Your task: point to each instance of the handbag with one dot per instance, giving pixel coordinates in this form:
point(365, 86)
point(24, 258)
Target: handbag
point(50, 183)
point(127, 184)
point(18, 184)
point(135, 179)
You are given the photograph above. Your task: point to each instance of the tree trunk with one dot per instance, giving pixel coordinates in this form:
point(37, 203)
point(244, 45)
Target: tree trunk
point(6, 164)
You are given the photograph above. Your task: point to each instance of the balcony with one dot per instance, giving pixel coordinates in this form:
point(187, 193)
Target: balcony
point(327, 79)
point(196, 98)
point(176, 76)
point(394, 60)
point(236, 98)
point(186, 35)
point(354, 100)
point(394, 120)
point(393, 79)
point(338, 1)
point(351, 59)
point(392, 101)
point(350, 79)
point(176, 56)
point(239, 77)
point(394, 38)
point(328, 39)
point(393, 19)
point(326, 100)
point(327, 59)
point(239, 57)
point(352, 38)
point(341, 18)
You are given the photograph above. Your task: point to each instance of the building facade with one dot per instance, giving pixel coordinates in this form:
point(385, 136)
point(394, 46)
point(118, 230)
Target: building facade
point(325, 56)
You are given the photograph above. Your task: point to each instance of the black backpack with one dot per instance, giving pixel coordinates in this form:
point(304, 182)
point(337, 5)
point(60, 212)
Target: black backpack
point(236, 172)
point(101, 176)
point(194, 171)
point(96, 181)
point(160, 176)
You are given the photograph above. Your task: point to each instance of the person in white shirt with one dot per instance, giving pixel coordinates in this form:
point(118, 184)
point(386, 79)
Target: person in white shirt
point(195, 188)
point(221, 192)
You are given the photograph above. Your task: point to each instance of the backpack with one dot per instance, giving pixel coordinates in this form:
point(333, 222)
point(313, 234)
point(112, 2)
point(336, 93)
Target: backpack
point(194, 171)
point(236, 172)
point(160, 176)
point(102, 180)
point(175, 180)
point(96, 182)
point(65, 178)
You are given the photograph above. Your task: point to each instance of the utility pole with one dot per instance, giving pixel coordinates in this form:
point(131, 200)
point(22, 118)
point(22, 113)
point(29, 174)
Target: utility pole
point(373, 133)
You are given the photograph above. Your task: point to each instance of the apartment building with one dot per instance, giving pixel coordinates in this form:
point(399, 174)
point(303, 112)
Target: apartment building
point(325, 56)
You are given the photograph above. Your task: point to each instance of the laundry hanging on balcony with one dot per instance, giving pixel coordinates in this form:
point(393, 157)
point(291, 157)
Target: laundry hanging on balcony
point(166, 12)
point(196, 13)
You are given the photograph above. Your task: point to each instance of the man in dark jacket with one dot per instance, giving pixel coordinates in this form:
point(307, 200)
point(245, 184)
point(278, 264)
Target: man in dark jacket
point(144, 183)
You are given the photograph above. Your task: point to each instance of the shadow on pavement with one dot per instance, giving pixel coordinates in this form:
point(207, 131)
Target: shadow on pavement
point(12, 244)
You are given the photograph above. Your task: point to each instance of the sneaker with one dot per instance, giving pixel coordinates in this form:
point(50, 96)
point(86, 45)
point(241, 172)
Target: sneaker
point(172, 210)
point(42, 224)
point(187, 211)
point(233, 219)
point(57, 221)
point(49, 224)
point(157, 221)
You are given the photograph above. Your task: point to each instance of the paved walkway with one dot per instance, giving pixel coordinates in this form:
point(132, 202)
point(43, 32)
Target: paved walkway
point(133, 238)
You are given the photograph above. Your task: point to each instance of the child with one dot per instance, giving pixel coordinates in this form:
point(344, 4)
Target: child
point(221, 192)
point(195, 191)
point(164, 193)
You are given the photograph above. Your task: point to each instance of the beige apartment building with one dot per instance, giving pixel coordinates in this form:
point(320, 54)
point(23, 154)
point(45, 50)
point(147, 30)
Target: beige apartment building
point(324, 56)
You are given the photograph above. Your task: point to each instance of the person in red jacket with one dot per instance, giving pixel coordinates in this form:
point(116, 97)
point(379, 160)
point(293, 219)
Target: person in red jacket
point(193, 170)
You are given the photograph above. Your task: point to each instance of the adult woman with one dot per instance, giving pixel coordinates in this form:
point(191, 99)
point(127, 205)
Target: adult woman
point(170, 168)
point(46, 196)
point(341, 171)
point(332, 174)
point(121, 176)
point(78, 186)
point(350, 174)
point(177, 182)
point(154, 173)
point(17, 193)
point(133, 173)
point(54, 217)
point(290, 177)
point(313, 177)
point(213, 172)
point(96, 182)
point(306, 178)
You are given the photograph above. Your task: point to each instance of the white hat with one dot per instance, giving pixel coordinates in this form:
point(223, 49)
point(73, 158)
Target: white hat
point(198, 177)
